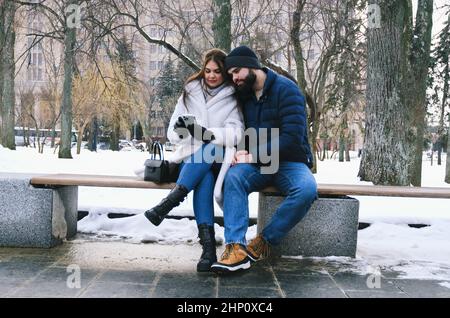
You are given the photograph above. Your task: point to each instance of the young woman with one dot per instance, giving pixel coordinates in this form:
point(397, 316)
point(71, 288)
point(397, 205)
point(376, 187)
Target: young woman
point(206, 125)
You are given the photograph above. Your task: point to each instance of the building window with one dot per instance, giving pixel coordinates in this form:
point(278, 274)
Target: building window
point(35, 63)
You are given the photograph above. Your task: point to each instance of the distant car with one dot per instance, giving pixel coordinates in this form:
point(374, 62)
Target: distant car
point(142, 146)
point(125, 145)
point(168, 146)
point(102, 146)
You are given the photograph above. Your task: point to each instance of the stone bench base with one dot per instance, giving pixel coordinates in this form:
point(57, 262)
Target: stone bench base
point(44, 217)
point(330, 227)
point(36, 217)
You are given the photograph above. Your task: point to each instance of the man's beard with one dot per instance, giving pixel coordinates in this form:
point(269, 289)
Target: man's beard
point(245, 91)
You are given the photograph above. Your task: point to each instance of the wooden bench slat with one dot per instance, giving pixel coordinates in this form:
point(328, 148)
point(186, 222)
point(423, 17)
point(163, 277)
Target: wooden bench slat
point(324, 189)
point(97, 181)
point(391, 191)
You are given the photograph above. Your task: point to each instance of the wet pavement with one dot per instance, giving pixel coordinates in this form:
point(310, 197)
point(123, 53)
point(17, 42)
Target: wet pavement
point(90, 268)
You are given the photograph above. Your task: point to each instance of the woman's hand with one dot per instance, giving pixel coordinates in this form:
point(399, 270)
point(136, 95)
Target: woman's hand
point(179, 123)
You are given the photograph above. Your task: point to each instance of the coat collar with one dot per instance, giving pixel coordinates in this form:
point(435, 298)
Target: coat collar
point(270, 79)
point(195, 89)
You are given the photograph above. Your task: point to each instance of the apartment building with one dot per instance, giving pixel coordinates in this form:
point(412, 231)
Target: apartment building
point(187, 25)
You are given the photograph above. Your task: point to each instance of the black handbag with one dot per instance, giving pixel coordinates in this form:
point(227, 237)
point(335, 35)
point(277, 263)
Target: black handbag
point(159, 170)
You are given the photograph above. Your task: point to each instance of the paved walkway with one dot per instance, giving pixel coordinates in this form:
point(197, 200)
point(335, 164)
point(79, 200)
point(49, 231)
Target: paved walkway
point(86, 267)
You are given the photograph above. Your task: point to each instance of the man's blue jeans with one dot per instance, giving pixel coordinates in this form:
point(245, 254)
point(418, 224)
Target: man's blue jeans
point(293, 179)
point(199, 175)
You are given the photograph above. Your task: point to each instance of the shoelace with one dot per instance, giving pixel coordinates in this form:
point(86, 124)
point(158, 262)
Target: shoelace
point(227, 253)
point(262, 248)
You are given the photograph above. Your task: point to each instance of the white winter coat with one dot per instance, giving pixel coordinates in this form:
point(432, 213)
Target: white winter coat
point(220, 115)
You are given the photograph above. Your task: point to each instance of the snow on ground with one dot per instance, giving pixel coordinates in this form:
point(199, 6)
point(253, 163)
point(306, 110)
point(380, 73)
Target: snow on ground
point(388, 243)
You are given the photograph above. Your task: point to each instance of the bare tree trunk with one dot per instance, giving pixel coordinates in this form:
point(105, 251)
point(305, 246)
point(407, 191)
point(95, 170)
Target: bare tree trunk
point(66, 107)
point(443, 105)
point(387, 153)
point(447, 165)
point(347, 149)
point(93, 134)
point(8, 99)
point(295, 39)
point(115, 134)
point(222, 24)
point(341, 146)
point(80, 139)
point(2, 41)
point(301, 80)
point(420, 59)
point(439, 152)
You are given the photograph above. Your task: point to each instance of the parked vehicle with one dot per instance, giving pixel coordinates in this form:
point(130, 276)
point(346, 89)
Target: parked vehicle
point(168, 146)
point(126, 145)
point(25, 136)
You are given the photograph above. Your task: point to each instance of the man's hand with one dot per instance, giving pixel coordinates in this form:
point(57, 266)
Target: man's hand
point(242, 156)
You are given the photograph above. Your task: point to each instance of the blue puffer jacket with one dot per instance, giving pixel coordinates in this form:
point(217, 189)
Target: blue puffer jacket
point(282, 105)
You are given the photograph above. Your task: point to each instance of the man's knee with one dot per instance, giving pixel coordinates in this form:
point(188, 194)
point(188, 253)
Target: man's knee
point(304, 195)
point(235, 177)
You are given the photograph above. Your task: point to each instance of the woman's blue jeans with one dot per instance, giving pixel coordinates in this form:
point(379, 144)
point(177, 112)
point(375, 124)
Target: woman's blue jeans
point(199, 172)
point(293, 179)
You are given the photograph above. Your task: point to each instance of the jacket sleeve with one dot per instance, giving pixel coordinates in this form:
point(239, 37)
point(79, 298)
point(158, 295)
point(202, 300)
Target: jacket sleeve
point(292, 116)
point(180, 109)
point(230, 134)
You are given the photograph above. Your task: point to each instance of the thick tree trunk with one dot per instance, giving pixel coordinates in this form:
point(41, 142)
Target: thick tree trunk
point(2, 41)
point(443, 107)
point(420, 59)
point(8, 99)
point(115, 134)
point(222, 24)
point(313, 120)
point(93, 131)
point(66, 107)
point(341, 147)
point(439, 153)
point(387, 153)
point(295, 40)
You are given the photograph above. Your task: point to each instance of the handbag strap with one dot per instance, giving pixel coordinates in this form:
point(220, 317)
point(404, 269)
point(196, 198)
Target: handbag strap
point(157, 145)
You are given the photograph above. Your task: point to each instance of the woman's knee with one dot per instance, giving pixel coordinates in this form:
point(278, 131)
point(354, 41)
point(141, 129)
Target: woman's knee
point(207, 180)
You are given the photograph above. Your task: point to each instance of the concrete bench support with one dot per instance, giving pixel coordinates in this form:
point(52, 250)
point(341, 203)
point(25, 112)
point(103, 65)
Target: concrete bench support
point(330, 228)
point(36, 217)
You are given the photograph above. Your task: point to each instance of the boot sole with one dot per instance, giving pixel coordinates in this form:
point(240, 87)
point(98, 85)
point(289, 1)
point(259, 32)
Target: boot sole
point(152, 218)
point(252, 258)
point(204, 269)
point(227, 269)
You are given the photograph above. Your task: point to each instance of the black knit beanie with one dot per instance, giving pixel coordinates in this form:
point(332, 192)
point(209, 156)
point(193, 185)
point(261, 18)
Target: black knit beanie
point(242, 56)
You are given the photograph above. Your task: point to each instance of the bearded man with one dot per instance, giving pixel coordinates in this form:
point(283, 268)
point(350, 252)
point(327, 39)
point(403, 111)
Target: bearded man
point(269, 101)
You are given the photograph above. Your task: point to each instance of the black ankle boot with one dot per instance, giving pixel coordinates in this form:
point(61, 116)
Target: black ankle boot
point(157, 214)
point(208, 242)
